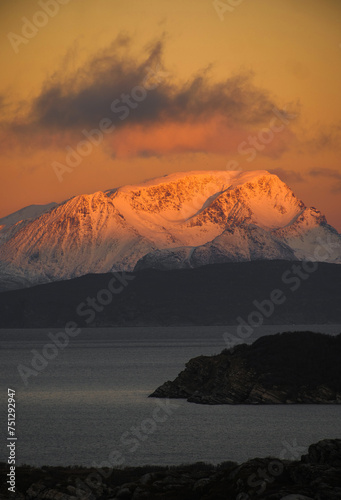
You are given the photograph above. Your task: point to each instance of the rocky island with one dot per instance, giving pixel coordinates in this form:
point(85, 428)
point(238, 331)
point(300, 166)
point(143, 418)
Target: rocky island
point(287, 368)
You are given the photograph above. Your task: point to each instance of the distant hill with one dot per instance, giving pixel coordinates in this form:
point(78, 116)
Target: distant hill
point(294, 367)
point(210, 295)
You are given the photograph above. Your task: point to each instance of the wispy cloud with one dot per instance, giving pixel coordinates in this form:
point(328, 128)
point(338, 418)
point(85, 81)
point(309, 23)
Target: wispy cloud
point(326, 138)
point(288, 175)
point(328, 173)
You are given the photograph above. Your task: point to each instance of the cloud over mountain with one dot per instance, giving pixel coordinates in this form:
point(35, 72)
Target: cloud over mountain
point(86, 96)
point(140, 95)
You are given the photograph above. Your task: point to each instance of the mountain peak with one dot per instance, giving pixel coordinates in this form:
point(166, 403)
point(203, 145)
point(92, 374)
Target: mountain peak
point(184, 219)
point(216, 177)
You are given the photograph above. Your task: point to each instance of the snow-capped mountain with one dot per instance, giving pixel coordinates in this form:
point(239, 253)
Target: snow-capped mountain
point(181, 220)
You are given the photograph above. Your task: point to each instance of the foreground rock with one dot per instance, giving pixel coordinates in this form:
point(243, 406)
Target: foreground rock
point(317, 476)
point(295, 367)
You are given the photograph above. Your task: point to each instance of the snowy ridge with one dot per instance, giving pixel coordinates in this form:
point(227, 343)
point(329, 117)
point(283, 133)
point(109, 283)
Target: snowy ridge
point(30, 212)
point(187, 219)
point(13, 222)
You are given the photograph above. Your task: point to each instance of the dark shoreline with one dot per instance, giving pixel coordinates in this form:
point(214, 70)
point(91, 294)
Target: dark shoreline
point(316, 475)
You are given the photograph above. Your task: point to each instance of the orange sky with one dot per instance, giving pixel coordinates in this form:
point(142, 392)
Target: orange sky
point(174, 85)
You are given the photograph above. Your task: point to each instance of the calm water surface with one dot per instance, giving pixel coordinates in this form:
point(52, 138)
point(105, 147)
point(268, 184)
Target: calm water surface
point(89, 405)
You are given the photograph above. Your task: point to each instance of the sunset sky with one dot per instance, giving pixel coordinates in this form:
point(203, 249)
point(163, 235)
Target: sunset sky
point(173, 85)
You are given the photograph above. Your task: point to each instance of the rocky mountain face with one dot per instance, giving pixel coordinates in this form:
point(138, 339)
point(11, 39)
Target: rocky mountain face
point(286, 368)
point(316, 476)
point(181, 220)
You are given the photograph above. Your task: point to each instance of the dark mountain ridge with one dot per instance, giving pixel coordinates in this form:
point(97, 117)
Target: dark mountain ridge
point(217, 294)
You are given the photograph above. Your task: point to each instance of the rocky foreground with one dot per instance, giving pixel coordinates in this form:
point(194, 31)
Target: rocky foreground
point(316, 476)
point(293, 367)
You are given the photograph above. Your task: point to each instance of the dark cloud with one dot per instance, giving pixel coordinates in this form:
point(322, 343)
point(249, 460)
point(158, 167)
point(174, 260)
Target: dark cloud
point(287, 175)
point(325, 172)
point(7, 105)
point(147, 153)
point(328, 137)
point(328, 173)
point(85, 98)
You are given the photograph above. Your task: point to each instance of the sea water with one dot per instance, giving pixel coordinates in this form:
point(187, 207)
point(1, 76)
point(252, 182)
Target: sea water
point(89, 405)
